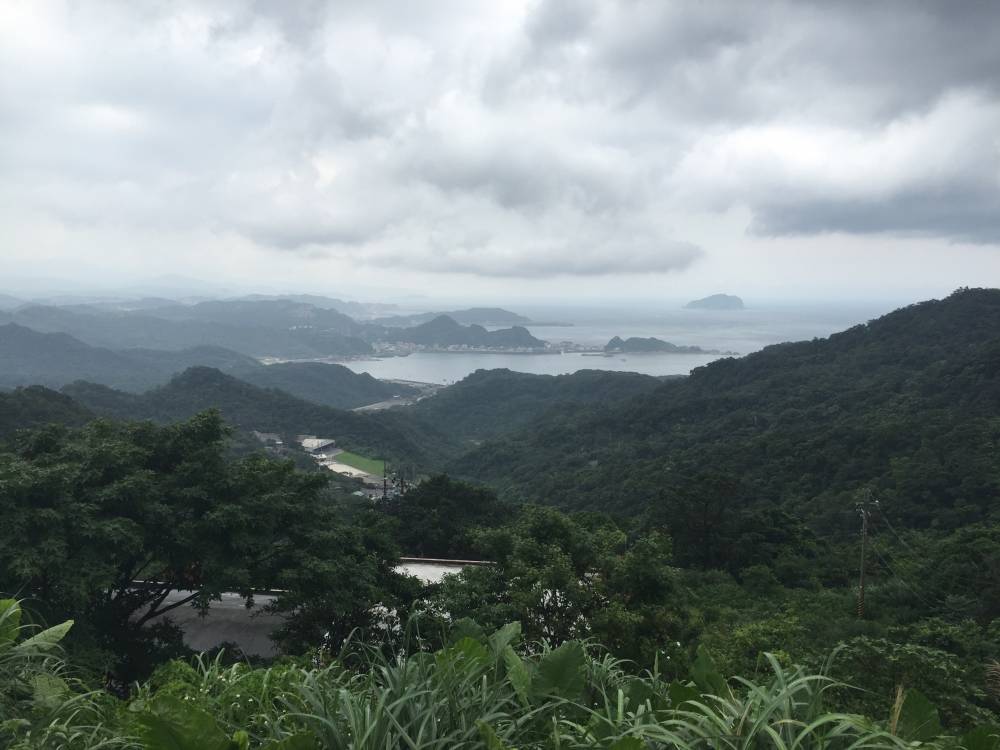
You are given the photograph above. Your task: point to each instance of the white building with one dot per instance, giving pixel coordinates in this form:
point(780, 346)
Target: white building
point(316, 445)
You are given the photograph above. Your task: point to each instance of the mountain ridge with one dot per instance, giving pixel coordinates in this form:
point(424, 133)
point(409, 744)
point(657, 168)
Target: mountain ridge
point(803, 425)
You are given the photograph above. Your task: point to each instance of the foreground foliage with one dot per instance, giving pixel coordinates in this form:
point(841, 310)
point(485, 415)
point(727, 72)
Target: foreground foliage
point(491, 692)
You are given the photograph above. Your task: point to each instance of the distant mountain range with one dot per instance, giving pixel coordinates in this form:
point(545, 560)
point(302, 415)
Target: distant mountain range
point(56, 359)
point(482, 316)
point(290, 329)
point(348, 307)
point(9, 303)
point(256, 329)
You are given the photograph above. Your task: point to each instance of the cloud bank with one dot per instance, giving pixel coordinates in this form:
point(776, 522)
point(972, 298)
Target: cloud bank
point(531, 139)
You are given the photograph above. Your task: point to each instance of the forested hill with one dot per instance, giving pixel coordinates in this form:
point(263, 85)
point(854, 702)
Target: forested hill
point(248, 407)
point(30, 357)
point(324, 383)
point(907, 405)
point(489, 403)
point(445, 331)
point(26, 408)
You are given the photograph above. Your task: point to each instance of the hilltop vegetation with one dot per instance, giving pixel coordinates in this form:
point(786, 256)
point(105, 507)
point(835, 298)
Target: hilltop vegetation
point(322, 383)
point(907, 406)
point(36, 406)
point(488, 403)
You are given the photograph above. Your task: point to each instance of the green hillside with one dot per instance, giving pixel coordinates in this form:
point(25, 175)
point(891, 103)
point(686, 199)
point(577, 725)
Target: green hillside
point(56, 359)
point(248, 407)
point(907, 405)
point(328, 384)
point(35, 406)
point(489, 403)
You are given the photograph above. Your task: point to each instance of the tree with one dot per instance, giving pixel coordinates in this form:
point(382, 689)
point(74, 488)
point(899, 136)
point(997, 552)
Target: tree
point(117, 525)
point(571, 576)
point(436, 516)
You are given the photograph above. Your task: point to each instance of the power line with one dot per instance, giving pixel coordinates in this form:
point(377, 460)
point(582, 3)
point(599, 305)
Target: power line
point(895, 533)
point(865, 515)
point(915, 592)
point(903, 581)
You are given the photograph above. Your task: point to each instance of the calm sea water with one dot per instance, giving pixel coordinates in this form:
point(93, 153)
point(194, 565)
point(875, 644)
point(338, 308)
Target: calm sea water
point(742, 332)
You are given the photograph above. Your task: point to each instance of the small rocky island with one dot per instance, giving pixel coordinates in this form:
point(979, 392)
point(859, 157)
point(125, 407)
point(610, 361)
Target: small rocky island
point(637, 345)
point(716, 302)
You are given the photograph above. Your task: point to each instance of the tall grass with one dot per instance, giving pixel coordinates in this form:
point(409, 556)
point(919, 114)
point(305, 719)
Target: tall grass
point(42, 705)
point(488, 693)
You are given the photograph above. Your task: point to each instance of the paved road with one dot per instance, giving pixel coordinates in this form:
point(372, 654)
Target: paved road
point(229, 621)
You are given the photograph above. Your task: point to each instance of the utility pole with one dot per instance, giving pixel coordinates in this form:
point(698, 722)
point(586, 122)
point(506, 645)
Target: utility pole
point(865, 515)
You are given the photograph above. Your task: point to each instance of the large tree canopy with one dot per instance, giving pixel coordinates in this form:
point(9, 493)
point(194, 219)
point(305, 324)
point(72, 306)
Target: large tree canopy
point(104, 523)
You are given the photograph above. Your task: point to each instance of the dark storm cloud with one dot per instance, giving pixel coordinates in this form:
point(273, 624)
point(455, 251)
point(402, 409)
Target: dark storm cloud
point(901, 83)
point(963, 215)
point(759, 59)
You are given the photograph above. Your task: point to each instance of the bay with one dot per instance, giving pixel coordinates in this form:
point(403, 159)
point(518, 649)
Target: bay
point(739, 332)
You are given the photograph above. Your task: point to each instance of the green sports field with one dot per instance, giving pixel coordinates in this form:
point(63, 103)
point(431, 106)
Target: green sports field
point(368, 465)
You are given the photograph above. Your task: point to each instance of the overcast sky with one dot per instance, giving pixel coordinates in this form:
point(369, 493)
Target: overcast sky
point(504, 149)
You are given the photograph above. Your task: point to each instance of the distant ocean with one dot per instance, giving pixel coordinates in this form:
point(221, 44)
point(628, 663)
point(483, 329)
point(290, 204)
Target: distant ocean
point(742, 332)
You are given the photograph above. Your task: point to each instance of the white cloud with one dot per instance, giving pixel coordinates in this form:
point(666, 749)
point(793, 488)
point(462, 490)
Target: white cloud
point(935, 172)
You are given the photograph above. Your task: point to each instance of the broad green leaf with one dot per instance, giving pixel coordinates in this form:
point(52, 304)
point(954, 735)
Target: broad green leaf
point(47, 639)
point(518, 674)
point(680, 693)
point(10, 620)
point(505, 636)
point(489, 737)
point(918, 718)
point(560, 672)
point(464, 654)
point(706, 676)
point(170, 724)
point(465, 627)
point(639, 691)
point(985, 737)
point(48, 691)
point(471, 649)
point(628, 743)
